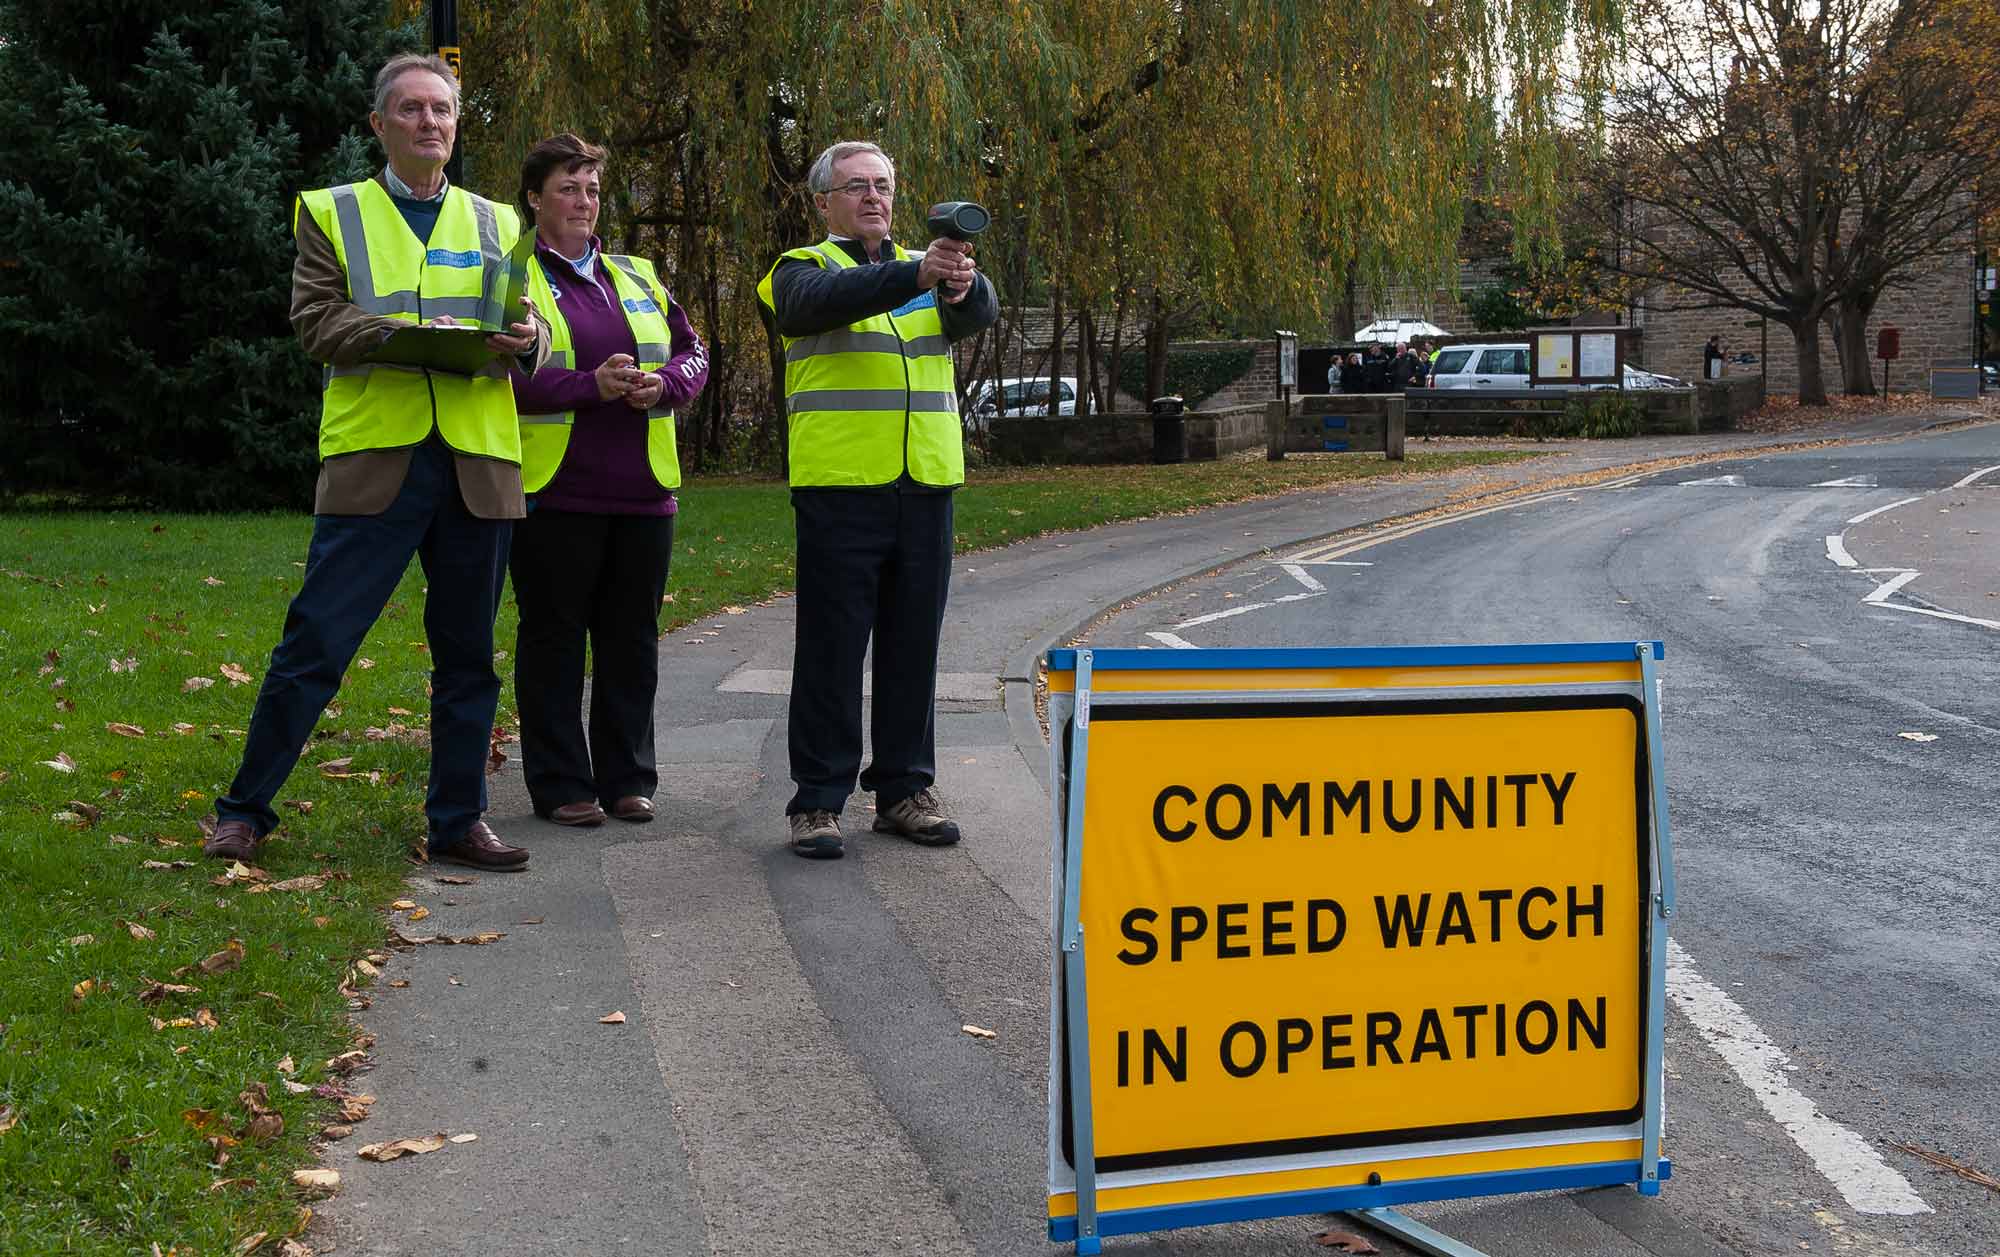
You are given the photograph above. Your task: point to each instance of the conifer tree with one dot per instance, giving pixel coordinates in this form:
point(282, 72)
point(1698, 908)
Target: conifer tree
point(150, 155)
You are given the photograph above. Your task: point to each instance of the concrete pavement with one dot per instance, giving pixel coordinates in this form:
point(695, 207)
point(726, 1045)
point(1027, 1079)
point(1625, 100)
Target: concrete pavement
point(791, 1075)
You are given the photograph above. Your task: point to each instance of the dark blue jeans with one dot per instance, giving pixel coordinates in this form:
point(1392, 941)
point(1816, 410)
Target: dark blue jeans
point(352, 568)
point(870, 565)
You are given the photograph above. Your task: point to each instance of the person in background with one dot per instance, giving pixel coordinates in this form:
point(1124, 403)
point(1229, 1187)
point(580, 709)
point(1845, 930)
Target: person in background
point(1711, 359)
point(413, 462)
point(876, 450)
point(1351, 376)
point(1403, 368)
point(1375, 370)
point(599, 461)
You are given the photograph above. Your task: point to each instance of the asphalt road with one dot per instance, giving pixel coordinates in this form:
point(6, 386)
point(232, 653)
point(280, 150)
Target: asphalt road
point(792, 1075)
point(1838, 875)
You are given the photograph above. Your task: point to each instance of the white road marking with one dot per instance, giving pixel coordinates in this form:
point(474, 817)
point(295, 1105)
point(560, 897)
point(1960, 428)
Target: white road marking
point(1734, 482)
point(1304, 577)
point(1975, 477)
point(1864, 481)
point(1878, 510)
point(1169, 639)
point(1890, 586)
point(1247, 607)
point(1836, 549)
point(1848, 1161)
point(1330, 562)
point(1942, 615)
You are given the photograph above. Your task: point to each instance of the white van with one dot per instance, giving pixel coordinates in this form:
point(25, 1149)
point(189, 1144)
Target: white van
point(1019, 398)
point(1506, 366)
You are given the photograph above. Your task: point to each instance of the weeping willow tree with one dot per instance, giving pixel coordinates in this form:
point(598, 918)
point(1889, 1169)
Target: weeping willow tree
point(1144, 157)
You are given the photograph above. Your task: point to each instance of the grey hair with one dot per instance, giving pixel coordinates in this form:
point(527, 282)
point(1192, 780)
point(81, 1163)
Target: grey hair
point(820, 177)
point(404, 62)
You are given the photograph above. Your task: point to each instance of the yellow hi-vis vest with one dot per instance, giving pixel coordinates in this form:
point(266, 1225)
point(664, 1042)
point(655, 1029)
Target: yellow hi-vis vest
point(545, 437)
point(870, 400)
point(373, 406)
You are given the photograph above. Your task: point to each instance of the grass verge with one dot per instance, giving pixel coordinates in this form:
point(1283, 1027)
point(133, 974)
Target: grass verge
point(130, 652)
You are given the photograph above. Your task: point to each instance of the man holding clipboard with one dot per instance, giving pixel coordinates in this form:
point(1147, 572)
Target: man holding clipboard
point(408, 291)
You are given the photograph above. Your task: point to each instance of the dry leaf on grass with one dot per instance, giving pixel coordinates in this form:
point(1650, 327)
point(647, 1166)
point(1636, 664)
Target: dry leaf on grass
point(166, 864)
point(979, 1032)
point(347, 1062)
point(87, 811)
point(337, 768)
point(366, 970)
point(229, 957)
point(223, 1184)
point(296, 1088)
point(303, 807)
point(338, 1131)
point(153, 992)
point(9, 1118)
point(1344, 1242)
point(395, 1148)
point(288, 1066)
point(192, 684)
point(124, 730)
point(311, 881)
point(62, 763)
point(292, 1248)
point(319, 1180)
point(79, 992)
point(236, 675)
point(139, 932)
point(249, 1243)
point(205, 1019)
point(611, 1019)
point(82, 940)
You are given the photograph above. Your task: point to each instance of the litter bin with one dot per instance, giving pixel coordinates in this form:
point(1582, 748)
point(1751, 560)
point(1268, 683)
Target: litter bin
point(1169, 430)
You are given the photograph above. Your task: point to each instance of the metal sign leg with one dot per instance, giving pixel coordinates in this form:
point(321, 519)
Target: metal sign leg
point(1415, 1233)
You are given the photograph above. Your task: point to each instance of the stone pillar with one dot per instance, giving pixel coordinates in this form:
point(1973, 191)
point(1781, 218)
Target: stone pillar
point(1394, 425)
point(1276, 415)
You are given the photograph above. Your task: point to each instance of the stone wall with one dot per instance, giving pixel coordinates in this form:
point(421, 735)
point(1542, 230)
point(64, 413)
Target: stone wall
point(1934, 312)
point(1723, 403)
point(1505, 412)
point(1125, 437)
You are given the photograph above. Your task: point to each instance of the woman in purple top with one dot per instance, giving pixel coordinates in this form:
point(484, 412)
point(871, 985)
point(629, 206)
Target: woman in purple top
point(590, 560)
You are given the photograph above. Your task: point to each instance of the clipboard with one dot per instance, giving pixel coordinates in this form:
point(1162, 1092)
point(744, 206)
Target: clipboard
point(461, 350)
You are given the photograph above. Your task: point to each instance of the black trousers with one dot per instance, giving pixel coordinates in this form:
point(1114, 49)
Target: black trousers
point(869, 565)
point(595, 578)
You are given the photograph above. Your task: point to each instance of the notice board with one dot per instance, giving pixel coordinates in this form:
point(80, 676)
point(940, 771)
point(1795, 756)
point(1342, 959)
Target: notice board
point(1348, 928)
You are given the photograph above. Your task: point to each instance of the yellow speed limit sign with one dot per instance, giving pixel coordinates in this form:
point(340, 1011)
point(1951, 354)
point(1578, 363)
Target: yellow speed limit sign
point(1348, 928)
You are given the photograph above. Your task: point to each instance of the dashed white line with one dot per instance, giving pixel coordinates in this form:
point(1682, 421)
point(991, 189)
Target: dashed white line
point(1246, 608)
point(1975, 477)
point(1941, 615)
point(1836, 549)
point(1865, 481)
point(1889, 587)
point(1733, 482)
point(1878, 510)
point(1169, 639)
point(1848, 1161)
point(1304, 577)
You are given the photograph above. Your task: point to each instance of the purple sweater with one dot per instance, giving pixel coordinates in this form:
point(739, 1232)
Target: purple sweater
point(604, 471)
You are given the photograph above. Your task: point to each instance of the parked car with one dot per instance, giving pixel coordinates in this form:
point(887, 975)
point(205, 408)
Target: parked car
point(1506, 366)
point(1019, 398)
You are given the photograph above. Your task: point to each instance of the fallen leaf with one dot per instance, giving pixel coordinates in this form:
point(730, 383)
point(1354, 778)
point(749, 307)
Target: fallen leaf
point(303, 807)
point(453, 979)
point(452, 879)
point(419, 913)
point(249, 1243)
point(139, 932)
point(532, 920)
point(183, 728)
point(236, 675)
point(205, 1019)
point(979, 1032)
point(311, 881)
point(82, 940)
point(166, 864)
point(80, 991)
point(611, 1019)
point(292, 1248)
point(200, 1119)
point(62, 763)
point(286, 1066)
point(466, 1138)
point(295, 1088)
point(337, 769)
point(399, 711)
point(1918, 737)
point(264, 1127)
point(1345, 1242)
point(347, 1062)
point(210, 581)
point(9, 1118)
point(127, 664)
point(192, 684)
point(226, 959)
point(88, 811)
point(364, 664)
point(154, 992)
point(395, 1148)
point(399, 983)
point(366, 970)
point(482, 938)
point(223, 1184)
point(338, 1131)
point(403, 905)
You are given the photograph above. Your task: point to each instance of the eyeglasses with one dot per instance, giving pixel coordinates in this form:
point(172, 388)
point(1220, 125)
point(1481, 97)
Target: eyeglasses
point(858, 188)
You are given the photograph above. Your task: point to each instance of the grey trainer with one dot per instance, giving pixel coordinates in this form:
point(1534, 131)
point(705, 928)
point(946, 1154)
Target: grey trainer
point(920, 818)
point(815, 834)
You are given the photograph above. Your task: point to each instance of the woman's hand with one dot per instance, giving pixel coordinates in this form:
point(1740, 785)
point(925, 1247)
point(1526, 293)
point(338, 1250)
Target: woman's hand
point(646, 393)
point(617, 376)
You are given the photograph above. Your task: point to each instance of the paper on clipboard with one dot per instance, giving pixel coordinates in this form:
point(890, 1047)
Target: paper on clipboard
point(462, 349)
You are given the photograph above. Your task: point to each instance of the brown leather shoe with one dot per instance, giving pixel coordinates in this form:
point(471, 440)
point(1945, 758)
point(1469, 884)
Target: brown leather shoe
point(232, 840)
point(636, 808)
point(481, 848)
point(584, 814)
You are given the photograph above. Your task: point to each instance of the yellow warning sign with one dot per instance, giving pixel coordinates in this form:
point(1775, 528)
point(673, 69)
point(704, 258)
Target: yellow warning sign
point(1348, 924)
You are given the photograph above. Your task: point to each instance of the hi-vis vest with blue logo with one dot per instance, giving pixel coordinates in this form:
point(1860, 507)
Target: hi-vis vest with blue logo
point(390, 272)
point(867, 401)
point(545, 438)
